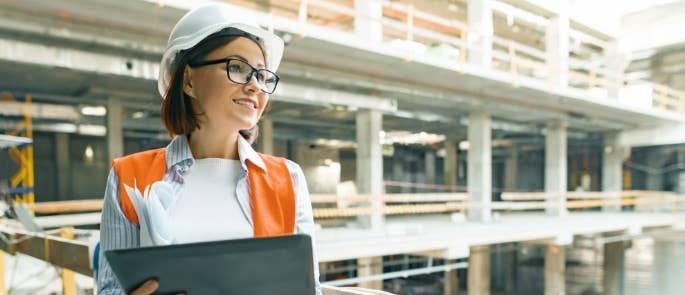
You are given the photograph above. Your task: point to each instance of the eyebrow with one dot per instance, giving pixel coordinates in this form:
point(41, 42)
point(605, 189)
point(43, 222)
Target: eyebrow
point(260, 65)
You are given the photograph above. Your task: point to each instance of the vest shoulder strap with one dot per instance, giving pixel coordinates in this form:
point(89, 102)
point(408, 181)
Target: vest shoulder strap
point(145, 168)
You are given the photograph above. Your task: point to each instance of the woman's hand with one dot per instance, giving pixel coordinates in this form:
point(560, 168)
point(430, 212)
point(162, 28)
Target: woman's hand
point(146, 288)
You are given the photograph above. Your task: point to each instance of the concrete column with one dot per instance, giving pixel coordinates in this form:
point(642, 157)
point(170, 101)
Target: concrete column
point(614, 268)
point(450, 165)
point(397, 170)
point(511, 169)
point(555, 168)
point(368, 267)
point(292, 149)
point(370, 162)
point(429, 161)
point(555, 270)
point(451, 282)
point(556, 40)
point(63, 167)
point(368, 26)
point(615, 65)
point(612, 170)
point(479, 175)
point(655, 161)
point(669, 266)
point(266, 135)
point(115, 135)
point(478, 275)
point(479, 38)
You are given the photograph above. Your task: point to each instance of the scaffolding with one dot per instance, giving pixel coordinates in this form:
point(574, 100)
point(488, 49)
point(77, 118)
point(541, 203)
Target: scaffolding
point(20, 145)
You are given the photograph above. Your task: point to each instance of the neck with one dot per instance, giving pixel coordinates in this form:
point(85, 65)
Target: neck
point(205, 143)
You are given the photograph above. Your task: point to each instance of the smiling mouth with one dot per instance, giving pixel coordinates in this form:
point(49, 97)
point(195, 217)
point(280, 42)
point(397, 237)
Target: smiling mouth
point(247, 103)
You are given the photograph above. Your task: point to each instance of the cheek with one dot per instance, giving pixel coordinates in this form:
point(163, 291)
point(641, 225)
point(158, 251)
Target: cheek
point(263, 101)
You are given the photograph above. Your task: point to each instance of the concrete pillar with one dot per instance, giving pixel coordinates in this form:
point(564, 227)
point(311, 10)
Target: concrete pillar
point(266, 135)
point(63, 167)
point(292, 149)
point(478, 276)
point(555, 169)
point(450, 165)
point(655, 161)
point(511, 169)
point(556, 40)
point(370, 162)
point(397, 170)
point(555, 270)
point(368, 267)
point(479, 175)
point(451, 281)
point(479, 38)
point(615, 65)
point(614, 268)
point(368, 27)
point(115, 135)
point(612, 170)
point(429, 162)
point(669, 266)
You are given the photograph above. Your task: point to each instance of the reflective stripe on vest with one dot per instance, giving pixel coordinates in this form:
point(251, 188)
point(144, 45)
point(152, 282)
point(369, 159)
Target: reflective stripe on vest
point(272, 195)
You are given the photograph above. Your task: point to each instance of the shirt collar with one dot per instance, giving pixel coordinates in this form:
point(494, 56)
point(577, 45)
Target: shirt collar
point(178, 152)
point(246, 152)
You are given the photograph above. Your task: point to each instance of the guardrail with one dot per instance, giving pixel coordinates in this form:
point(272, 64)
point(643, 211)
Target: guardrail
point(414, 31)
point(422, 203)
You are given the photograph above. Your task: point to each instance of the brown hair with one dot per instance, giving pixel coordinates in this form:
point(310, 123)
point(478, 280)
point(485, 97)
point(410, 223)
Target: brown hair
point(178, 112)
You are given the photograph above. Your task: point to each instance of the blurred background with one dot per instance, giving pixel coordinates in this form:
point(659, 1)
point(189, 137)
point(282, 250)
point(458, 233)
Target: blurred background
point(450, 146)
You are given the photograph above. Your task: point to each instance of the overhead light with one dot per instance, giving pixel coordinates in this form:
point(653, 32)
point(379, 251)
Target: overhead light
point(138, 115)
point(63, 127)
point(94, 130)
point(407, 138)
point(98, 111)
point(464, 145)
point(88, 155)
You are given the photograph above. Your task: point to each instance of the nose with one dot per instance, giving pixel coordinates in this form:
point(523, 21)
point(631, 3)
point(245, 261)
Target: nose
point(252, 85)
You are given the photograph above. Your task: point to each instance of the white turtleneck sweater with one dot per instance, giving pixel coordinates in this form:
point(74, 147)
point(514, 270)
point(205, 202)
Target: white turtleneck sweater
point(207, 209)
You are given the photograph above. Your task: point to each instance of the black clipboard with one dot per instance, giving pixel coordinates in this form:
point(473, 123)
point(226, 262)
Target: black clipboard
point(275, 265)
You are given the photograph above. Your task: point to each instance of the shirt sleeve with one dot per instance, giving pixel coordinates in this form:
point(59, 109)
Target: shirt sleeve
point(304, 218)
point(116, 232)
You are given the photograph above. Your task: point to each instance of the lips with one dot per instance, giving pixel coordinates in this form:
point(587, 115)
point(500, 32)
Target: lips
point(246, 102)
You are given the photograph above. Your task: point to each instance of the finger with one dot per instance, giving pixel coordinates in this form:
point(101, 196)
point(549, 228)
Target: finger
point(146, 288)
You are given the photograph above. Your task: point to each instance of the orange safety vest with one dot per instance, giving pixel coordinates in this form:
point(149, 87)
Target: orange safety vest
point(272, 196)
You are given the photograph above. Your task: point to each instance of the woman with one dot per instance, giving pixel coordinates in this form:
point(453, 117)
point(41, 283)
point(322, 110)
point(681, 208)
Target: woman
point(208, 183)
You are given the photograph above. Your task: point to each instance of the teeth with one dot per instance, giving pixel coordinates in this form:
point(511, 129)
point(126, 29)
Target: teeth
point(245, 103)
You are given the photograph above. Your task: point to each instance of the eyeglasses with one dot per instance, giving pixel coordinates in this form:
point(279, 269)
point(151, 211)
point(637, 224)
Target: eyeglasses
point(240, 72)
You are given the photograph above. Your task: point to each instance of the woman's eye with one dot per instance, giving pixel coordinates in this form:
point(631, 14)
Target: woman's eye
point(234, 69)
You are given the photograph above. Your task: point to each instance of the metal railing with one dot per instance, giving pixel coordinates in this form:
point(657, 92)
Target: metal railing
point(419, 30)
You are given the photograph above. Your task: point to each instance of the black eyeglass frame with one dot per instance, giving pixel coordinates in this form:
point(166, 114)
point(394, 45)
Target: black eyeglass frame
point(253, 70)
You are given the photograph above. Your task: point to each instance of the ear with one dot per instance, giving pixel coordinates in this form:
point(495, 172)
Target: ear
point(187, 81)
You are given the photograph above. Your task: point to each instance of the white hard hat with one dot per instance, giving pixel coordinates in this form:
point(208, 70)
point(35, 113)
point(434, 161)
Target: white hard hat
point(201, 22)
